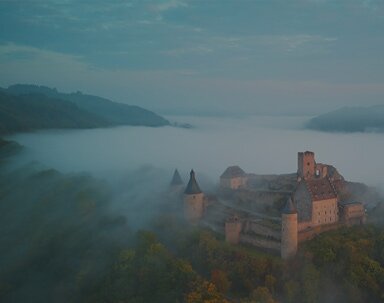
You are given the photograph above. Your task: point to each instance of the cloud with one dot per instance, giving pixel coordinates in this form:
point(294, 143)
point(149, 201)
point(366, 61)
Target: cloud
point(183, 90)
point(295, 42)
point(20, 63)
point(10, 52)
point(371, 5)
point(168, 4)
point(288, 43)
point(199, 50)
point(240, 46)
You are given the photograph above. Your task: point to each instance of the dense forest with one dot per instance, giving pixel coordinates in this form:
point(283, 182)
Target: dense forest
point(350, 119)
point(32, 107)
point(63, 239)
point(36, 111)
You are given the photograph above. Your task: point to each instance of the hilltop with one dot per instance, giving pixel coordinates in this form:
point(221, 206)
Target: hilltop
point(30, 107)
point(350, 119)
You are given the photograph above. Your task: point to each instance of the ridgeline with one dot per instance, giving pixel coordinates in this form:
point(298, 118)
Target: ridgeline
point(32, 107)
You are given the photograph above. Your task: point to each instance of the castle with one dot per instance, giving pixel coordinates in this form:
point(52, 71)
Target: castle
point(314, 202)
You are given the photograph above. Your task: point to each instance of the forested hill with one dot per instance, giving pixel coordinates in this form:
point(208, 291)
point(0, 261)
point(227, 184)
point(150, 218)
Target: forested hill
point(37, 111)
point(350, 119)
point(100, 111)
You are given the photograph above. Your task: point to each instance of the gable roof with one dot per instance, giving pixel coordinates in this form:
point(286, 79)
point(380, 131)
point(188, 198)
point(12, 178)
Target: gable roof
point(176, 179)
point(233, 172)
point(192, 186)
point(321, 189)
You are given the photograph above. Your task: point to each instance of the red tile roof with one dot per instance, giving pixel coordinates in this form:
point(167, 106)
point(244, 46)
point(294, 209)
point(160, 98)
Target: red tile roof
point(321, 189)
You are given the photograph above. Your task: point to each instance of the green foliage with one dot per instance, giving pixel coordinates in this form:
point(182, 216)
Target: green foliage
point(108, 112)
point(221, 281)
point(262, 295)
point(352, 257)
point(36, 111)
point(48, 241)
point(150, 273)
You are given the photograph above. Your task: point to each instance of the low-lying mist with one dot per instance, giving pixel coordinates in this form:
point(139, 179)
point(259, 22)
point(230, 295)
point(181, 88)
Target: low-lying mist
point(261, 145)
point(73, 201)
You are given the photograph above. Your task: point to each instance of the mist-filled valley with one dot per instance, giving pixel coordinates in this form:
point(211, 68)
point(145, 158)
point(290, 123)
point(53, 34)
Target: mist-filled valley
point(85, 216)
point(183, 151)
point(258, 144)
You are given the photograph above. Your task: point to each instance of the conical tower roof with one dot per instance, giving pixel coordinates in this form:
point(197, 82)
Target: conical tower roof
point(176, 179)
point(289, 207)
point(192, 186)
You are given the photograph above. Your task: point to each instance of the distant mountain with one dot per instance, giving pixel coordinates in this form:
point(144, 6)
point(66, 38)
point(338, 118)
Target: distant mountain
point(350, 119)
point(38, 111)
point(112, 112)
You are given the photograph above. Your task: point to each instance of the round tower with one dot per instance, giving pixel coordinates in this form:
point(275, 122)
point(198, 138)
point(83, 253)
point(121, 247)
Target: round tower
point(193, 200)
point(288, 230)
point(233, 227)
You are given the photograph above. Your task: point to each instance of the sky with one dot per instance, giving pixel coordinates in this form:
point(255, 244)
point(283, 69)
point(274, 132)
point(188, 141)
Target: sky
point(218, 57)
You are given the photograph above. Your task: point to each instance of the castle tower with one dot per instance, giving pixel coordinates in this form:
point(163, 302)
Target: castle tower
point(306, 165)
point(233, 227)
point(288, 230)
point(176, 185)
point(193, 200)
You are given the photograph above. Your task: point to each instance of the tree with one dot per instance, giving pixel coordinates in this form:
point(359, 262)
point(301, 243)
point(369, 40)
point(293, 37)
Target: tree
point(262, 295)
point(220, 279)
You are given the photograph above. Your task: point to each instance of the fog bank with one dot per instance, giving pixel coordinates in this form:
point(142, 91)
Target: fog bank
point(261, 145)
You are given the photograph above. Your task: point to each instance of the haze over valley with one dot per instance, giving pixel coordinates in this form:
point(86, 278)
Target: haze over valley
point(260, 145)
point(191, 151)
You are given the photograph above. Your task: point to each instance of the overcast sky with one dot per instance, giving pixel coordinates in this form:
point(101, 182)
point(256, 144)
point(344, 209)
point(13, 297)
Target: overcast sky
point(192, 56)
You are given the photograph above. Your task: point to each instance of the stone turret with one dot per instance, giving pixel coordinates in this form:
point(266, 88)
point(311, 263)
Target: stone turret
point(193, 200)
point(176, 185)
point(288, 230)
point(233, 227)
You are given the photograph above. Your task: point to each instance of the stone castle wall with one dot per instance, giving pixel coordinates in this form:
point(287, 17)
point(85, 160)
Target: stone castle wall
point(233, 183)
point(325, 212)
point(310, 233)
point(256, 227)
point(260, 242)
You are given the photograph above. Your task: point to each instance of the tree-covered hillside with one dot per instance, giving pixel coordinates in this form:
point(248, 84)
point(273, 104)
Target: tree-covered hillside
point(112, 112)
point(37, 111)
point(350, 119)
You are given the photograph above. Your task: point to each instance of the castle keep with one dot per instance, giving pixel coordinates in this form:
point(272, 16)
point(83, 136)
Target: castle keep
point(246, 206)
